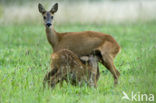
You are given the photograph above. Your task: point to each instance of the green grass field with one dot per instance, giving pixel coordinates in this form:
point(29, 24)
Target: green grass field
point(25, 58)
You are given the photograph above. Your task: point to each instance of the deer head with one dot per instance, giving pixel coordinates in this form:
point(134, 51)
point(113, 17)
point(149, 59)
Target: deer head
point(48, 15)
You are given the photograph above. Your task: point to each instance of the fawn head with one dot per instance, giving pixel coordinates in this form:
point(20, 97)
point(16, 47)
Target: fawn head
point(48, 15)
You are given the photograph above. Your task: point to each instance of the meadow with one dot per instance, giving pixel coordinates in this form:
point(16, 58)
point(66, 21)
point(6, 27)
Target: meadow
point(25, 58)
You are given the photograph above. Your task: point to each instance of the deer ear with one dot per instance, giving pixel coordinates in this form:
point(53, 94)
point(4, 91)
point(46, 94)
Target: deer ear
point(54, 8)
point(41, 8)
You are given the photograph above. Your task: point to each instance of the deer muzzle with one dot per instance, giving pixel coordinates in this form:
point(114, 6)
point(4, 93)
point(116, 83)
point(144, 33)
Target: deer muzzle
point(48, 24)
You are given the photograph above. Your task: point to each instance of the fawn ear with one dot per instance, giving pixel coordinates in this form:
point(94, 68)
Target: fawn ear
point(54, 8)
point(41, 8)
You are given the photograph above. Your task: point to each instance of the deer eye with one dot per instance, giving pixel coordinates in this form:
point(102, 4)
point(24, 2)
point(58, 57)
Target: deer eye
point(44, 17)
point(51, 17)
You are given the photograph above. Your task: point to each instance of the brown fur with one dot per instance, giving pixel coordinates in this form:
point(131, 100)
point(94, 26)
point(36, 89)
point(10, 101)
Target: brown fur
point(83, 43)
point(67, 66)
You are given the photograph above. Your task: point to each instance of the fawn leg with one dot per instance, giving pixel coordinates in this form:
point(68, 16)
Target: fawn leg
point(59, 76)
point(48, 75)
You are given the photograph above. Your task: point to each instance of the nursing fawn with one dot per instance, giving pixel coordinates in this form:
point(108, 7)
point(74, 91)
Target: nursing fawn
point(65, 65)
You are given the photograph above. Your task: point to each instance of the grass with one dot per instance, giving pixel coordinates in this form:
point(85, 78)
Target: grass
point(25, 58)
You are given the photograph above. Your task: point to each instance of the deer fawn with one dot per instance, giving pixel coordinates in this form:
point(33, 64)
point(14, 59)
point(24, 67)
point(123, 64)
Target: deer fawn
point(82, 43)
point(67, 66)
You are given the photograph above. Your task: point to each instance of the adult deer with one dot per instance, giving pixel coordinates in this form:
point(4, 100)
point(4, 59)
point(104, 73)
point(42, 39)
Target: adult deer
point(82, 43)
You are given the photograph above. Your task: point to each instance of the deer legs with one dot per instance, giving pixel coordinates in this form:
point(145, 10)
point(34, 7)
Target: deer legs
point(54, 76)
point(92, 60)
point(108, 63)
point(106, 54)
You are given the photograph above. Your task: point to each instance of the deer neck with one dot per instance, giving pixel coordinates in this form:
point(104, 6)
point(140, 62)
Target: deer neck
point(52, 36)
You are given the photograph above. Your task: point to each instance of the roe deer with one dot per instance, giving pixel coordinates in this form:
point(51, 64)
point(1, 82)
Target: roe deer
point(65, 65)
point(82, 43)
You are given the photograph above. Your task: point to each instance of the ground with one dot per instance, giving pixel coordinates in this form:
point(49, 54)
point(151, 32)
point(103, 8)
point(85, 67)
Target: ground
point(25, 58)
